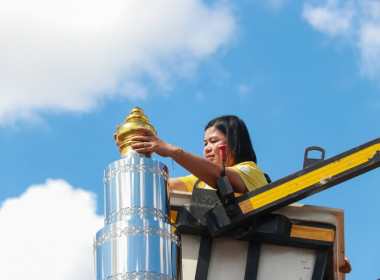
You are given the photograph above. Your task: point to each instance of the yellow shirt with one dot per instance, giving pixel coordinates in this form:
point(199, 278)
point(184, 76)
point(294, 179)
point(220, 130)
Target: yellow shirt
point(248, 171)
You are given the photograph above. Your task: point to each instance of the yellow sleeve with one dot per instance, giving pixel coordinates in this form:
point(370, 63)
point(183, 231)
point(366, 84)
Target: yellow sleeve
point(189, 181)
point(251, 175)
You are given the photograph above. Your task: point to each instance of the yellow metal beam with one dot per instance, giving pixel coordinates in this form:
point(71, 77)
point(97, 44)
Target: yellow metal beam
point(314, 233)
point(319, 176)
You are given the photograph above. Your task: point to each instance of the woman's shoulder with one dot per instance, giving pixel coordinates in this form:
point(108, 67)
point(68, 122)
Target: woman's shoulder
point(252, 176)
point(246, 166)
point(246, 163)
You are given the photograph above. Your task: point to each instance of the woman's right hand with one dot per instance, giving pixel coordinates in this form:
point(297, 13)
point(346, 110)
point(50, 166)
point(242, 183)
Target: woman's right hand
point(150, 143)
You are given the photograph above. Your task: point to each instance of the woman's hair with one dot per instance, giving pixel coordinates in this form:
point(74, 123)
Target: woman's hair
point(238, 140)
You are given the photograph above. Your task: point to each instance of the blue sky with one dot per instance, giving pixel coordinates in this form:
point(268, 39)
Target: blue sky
point(299, 73)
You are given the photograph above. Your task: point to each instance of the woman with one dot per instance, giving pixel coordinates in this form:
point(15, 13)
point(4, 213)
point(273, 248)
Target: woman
point(241, 168)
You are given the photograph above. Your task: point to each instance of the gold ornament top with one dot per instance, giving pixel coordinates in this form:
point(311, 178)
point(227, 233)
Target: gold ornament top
point(128, 129)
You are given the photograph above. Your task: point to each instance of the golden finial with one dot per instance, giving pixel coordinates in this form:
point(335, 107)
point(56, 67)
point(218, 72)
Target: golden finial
point(128, 129)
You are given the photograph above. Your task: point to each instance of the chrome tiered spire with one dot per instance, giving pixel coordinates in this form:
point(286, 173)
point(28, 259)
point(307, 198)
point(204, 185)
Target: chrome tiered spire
point(137, 240)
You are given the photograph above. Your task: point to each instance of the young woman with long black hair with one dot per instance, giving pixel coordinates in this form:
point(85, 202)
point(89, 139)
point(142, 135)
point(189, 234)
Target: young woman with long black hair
point(241, 168)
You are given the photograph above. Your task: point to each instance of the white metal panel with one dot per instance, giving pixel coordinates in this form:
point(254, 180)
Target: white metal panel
point(228, 259)
point(190, 250)
point(283, 262)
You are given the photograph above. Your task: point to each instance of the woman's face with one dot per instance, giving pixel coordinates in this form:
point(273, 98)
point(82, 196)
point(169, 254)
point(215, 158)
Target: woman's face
point(213, 138)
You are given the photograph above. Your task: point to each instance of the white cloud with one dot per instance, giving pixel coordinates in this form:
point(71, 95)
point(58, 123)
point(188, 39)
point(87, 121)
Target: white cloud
point(47, 233)
point(355, 22)
point(66, 56)
point(369, 38)
point(369, 45)
point(331, 18)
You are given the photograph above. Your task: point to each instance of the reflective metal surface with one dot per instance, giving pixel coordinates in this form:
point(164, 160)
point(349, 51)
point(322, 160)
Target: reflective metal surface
point(137, 241)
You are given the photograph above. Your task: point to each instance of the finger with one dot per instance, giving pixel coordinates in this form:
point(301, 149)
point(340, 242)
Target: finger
point(140, 138)
point(143, 145)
